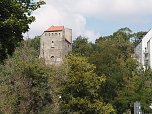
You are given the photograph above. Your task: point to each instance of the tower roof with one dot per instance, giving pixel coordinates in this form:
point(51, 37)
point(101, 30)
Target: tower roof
point(54, 28)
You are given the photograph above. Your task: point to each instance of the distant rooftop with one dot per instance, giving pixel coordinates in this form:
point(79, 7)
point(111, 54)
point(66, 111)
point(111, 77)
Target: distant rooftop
point(143, 34)
point(141, 37)
point(55, 28)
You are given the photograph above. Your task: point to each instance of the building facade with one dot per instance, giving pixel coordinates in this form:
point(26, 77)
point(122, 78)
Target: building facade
point(143, 50)
point(55, 44)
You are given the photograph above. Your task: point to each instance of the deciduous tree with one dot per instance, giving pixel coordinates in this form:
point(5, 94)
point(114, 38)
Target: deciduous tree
point(24, 83)
point(81, 46)
point(15, 17)
point(79, 93)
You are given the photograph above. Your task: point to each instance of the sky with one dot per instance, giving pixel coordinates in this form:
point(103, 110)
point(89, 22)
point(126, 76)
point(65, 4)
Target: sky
point(93, 18)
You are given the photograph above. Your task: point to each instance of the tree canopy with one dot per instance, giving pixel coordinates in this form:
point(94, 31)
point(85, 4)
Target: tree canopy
point(125, 81)
point(82, 47)
point(15, 17)
point(25, 86)
point(98, 78)
point(80, 91)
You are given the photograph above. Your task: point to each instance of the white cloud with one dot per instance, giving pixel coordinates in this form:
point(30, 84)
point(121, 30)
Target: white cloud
point(73, 14)
point(92, 35)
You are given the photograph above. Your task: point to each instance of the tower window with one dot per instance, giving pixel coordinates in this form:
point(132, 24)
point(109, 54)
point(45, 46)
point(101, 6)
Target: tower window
point(52, 58)
point(56, 33)
point(52, 44)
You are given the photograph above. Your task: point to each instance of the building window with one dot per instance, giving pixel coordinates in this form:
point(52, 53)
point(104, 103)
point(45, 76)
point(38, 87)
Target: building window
point(59, 34)
point(52, 44)
point(52, 58)
point(52, 34)
point(56, 34)
point(45, 34)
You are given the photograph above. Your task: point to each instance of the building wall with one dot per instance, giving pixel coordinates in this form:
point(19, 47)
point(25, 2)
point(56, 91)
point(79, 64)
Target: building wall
point(145, 41)
point(138, 52)
point(68, 41)
point(68, 48)
point(150, 52)
point(68, 34)
point(143, 50)
point(54, 47)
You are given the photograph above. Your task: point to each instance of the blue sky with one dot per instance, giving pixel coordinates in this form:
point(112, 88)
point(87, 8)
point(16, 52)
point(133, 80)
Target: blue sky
point(106, 27)
point(93, 18)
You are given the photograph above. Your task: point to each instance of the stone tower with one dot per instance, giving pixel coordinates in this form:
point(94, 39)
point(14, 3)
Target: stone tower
point(55, 44)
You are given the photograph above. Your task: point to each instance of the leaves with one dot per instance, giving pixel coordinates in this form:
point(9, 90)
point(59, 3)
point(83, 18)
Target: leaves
point(80, 90)
point(15, 18)
point(112, 57)
point(96, 78)
point(25, 83)
point(82, 46)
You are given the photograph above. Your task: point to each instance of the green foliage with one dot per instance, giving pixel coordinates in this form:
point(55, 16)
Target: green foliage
point(34, 43)
point(80, 89)
point(24, 83)
point(125, 84)
point(136, 37)
point(82, 46)
point(112, 57)
point(136, 88)
point(105, 80)
point(15, 18)
point(144, 87)
point(123, 33)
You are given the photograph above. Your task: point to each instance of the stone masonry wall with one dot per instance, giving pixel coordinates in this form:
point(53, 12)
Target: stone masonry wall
point(54, 47)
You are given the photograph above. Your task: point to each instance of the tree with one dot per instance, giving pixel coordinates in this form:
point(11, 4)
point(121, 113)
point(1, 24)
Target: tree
point(79, 92)
point(123, 33)
point(137, 88)
point(125, 82)
point(112, 58)
point(24, 83)
point(34, 43)
point(82, 46)
point(144, 88)
point(136, 37)
point(15, 17)
point(127, 94)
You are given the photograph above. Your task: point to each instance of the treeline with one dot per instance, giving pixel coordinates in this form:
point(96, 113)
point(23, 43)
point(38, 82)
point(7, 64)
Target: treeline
point(96, 78)
point(126, 81)
point(28, 86)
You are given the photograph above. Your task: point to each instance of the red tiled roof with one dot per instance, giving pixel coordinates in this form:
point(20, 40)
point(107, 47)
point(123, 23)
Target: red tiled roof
point(55, 28)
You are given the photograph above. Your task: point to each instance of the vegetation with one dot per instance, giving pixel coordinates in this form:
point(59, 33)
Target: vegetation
point(82, 47)
point(98, 78)
point(24, 83)
point(80, 91)
point(34, 43)
point(125, 82)
point(15, 18)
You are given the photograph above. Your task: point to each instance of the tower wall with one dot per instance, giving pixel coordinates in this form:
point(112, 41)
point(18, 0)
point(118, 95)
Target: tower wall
point(54, 45)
